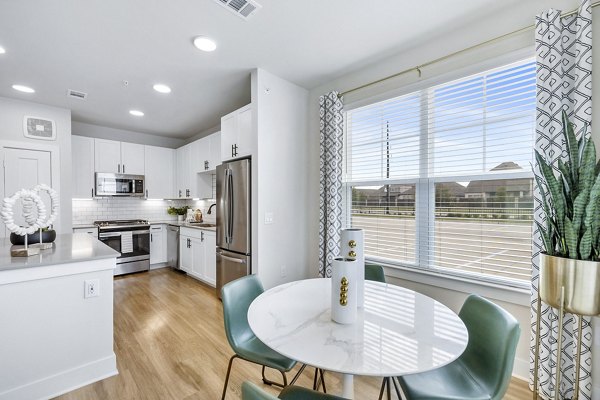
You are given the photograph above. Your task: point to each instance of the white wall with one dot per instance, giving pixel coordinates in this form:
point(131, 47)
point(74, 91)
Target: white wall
point(104, 132)
point(11, 129)
point(279, 181)
point(467, 63)
point(202, 134)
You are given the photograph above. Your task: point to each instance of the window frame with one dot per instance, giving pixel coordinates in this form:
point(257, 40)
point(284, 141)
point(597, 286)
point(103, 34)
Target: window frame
point(425, 186)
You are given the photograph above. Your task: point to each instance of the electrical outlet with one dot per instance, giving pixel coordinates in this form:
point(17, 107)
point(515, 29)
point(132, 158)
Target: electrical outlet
point(91, 288)
point(283, 271)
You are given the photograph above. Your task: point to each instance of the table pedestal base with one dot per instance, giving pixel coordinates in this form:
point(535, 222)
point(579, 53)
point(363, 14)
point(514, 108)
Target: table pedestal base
point(348, 386)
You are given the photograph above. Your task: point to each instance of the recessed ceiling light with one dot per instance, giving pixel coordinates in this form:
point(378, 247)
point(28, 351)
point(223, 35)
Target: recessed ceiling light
point(160, 88)
point(205, 44)
point(24, 89)
point(136, 113)
point(2, 51)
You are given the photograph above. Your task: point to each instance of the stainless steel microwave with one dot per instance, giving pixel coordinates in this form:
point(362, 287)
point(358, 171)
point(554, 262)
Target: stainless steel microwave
point(109, 184)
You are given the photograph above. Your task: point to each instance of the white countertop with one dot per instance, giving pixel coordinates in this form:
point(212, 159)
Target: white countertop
point(185, 225)
point(68, 248)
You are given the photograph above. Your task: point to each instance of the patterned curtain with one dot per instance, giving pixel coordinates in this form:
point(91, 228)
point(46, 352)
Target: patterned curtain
point(330, 200)
point(564, 81)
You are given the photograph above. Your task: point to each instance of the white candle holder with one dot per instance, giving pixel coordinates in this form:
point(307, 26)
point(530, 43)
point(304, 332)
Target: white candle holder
point(344, 293)
point(353, 246)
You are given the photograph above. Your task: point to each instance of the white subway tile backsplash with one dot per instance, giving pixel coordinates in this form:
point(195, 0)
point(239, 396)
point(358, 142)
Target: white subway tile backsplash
point(88, 211)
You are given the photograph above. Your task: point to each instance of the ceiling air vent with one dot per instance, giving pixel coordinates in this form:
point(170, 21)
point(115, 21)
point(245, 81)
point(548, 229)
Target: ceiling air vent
point(242, 8)
point(76, 94)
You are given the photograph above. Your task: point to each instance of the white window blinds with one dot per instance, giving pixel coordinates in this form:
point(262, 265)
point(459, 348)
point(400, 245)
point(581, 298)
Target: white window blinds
point(441, 178)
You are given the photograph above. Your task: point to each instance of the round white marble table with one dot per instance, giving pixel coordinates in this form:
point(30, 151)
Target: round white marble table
point(398, 331)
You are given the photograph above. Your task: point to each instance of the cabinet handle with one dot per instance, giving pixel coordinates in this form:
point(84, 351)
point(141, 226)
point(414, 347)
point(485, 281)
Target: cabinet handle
point(189, 243)
point(119, 168)
point(92, 192)
point(187, 192)
point(150, 238)
point(146, 193)
point(123, 168)
point(205, 165)
point(202, 236)
point(180, 193)
point(235, 146)
point(232, 155)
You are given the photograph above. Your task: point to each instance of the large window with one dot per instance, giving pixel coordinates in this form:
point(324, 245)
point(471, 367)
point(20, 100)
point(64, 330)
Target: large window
point(441, 178)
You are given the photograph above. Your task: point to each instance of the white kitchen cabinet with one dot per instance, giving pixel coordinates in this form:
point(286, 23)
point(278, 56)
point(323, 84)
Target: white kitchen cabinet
point(199, 153)
point(194, 163)
point(185, 253)
point(160, 172)
point(118, 157)
point(214, 158)
point(158, 244)
point(183, 181)
point(197, 254)
point(107, 156)
point(236, 134)
point(209, 152)
point(210, 257)
point(132, 158)
point(93, 231)
point(82, 168)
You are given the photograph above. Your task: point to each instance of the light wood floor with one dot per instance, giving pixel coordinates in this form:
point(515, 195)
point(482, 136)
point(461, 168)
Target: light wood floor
point(170, 344)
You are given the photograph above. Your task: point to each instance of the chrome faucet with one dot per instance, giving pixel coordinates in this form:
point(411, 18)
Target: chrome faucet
point(210, 208)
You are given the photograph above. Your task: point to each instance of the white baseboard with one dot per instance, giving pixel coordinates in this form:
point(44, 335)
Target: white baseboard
point(65, 381)
point(158, 265)
point(521, 369)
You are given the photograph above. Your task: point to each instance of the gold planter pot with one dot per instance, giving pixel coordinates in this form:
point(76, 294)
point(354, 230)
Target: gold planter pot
point(570, 286)
point(580, 280)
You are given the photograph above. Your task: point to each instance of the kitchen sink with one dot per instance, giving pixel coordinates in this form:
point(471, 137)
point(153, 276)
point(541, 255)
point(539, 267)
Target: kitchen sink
point(202, 224)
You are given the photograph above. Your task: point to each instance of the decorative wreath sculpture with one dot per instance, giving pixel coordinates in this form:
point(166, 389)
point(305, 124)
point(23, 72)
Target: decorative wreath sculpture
point(30, 198)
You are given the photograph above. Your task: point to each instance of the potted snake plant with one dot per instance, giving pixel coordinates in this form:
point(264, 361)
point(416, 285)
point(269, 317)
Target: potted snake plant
point(570, 262)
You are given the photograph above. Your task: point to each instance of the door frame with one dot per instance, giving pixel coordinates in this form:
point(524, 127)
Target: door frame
point(54, 151)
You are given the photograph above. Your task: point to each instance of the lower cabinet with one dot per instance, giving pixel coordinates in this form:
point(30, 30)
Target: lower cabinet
point(90, 231)
point(197, 254)
point(158, 244)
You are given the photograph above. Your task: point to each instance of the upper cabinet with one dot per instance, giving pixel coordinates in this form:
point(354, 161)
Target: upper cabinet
point(205, 153)
point(214, 157)
point(82, 149)
point(118, 157)
point(132, 158)
point(160, 172)
point(184, 171)
point(236, 134)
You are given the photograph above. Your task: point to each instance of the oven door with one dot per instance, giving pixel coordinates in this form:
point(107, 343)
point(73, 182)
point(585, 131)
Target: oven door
point(140, 244)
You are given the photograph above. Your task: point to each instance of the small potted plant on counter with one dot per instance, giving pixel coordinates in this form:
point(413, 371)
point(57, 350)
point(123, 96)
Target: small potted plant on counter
point(570, 263)
point(179, 211)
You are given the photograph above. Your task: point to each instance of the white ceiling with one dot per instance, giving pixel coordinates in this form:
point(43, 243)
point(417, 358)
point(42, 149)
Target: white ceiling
point(93, 45)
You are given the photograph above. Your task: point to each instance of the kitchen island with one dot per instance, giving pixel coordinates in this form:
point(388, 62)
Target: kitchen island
point(56, 313)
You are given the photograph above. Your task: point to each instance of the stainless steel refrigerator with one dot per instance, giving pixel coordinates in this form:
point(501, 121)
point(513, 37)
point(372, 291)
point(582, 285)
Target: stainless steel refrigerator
point(233, 222)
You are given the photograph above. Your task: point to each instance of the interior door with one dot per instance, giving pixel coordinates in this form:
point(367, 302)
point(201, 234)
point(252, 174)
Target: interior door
point(23, 170)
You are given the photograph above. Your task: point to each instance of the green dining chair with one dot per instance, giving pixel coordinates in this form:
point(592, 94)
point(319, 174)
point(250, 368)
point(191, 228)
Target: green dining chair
point(237, 296)
point(484, 370)
point(252, 392)
point(374, 272)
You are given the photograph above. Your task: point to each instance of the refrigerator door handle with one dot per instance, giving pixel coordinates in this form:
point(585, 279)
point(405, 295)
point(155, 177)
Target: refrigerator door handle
point(231, 206)
point(235, 260)
point(226, 208)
